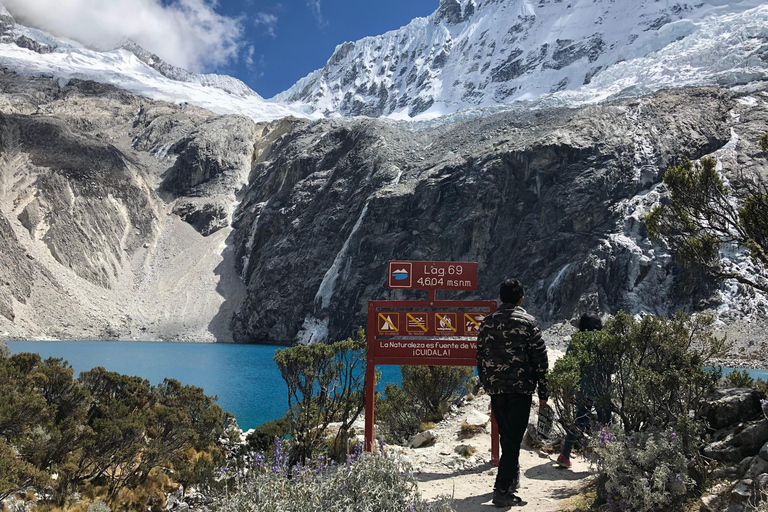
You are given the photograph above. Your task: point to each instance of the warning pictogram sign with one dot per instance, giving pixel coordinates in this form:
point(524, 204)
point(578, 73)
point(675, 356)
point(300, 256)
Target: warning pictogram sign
point(416, 323)
point(389, 323)
point(445, 323)
point(472, 322)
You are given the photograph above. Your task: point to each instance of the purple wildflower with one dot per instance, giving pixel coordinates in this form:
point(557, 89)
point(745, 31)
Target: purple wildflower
point(606, 437)
point(674, 436)
point(679, 478)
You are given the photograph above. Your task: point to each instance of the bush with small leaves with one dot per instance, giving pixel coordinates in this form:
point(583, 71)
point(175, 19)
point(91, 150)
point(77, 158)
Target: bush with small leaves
point(99, 506)
point(434, 388)
point(365, 483)
point(325, 385)
point(763, 142)
point(262, 439)
point(738, 379)
point(642, 471)
point(398, 416)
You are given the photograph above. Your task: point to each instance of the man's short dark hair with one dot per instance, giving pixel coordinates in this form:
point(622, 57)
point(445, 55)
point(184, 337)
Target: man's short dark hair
point(590, 322)
point(511, 291)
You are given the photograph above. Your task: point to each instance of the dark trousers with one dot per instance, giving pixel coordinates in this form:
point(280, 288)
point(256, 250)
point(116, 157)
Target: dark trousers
point(583, 409)
point(511, 413)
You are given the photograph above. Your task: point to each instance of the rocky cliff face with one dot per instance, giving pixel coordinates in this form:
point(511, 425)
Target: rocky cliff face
point(95, 186)
point(554, 197)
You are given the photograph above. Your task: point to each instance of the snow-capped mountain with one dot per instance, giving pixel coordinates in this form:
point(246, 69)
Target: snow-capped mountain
point(478, 53)
point(31, 52)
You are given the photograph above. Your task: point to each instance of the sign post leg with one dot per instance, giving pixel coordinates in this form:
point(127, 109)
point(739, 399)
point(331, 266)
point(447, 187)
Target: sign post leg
point(369, 403)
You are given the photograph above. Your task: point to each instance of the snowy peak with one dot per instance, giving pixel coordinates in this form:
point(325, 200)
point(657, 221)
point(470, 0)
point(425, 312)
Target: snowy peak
point(31, 52)
point(224, 82)
point(478, 53)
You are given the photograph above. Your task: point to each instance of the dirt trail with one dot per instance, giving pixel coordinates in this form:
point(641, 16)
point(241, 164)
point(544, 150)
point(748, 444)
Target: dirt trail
point(441, 471)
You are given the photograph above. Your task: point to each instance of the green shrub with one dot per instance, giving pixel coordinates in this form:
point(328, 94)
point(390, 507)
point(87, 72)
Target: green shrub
point(101, 431)
point(763, 142)
point(642, 471)
point(325, 385)
point(761, 387)
point(15, 474)
point(433, 388)
point(366, 484)
point(262, 439)
point(649, 372)
point(397, 415)
point(738, 379)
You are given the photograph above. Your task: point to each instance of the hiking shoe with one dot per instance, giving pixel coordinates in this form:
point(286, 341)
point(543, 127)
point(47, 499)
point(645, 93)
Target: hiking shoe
point(564, 461)
point(506, 499)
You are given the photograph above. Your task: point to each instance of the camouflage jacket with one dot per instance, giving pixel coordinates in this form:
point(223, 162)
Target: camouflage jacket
point(511, 356)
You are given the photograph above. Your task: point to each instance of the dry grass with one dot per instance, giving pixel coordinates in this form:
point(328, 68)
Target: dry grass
point(467, 431)
point(466, 450)
point(582, 502)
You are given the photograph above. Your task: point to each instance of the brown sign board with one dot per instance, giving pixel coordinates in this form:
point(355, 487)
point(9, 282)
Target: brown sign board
point(432, 275)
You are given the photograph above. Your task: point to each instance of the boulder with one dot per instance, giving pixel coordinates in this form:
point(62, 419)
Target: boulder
point(757, 467)
point(477, 419)
point(204, 215)
point(730, 406)
point(422, 439)
point(742, 492)
point(753, 437)
point(712, 503)
point(764, 452)
point(739, 443)
point(761, 483)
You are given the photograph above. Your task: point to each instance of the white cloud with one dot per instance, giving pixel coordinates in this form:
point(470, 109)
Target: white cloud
point(314, 6)
point(268, 20)
point(186, 33)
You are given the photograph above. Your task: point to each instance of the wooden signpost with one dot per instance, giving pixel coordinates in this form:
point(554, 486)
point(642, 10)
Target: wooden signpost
point(425, 332)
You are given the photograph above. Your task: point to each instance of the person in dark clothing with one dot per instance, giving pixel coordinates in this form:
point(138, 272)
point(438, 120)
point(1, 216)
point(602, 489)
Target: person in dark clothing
point(512, 364)
point(585, 399)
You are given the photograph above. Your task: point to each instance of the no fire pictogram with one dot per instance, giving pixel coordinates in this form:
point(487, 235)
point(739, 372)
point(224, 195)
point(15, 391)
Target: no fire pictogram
point(445, 323)
point(389, 323)
point(416, 323)
point(472, 322)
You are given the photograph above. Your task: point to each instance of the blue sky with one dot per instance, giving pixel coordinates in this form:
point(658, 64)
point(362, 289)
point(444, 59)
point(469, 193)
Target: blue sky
point(291, 38)
point(268, 44)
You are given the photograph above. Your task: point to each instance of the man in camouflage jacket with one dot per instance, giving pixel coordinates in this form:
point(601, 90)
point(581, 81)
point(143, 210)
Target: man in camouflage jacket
point(511, 363)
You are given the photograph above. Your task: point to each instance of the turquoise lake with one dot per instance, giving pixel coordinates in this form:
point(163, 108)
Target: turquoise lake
point(244, 377)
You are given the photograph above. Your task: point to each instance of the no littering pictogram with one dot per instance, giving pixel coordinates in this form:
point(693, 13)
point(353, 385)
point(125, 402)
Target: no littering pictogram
point(472, 322)
point(389, 323)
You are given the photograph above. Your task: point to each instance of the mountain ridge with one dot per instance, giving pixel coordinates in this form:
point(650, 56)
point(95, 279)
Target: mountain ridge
point(471, 54)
